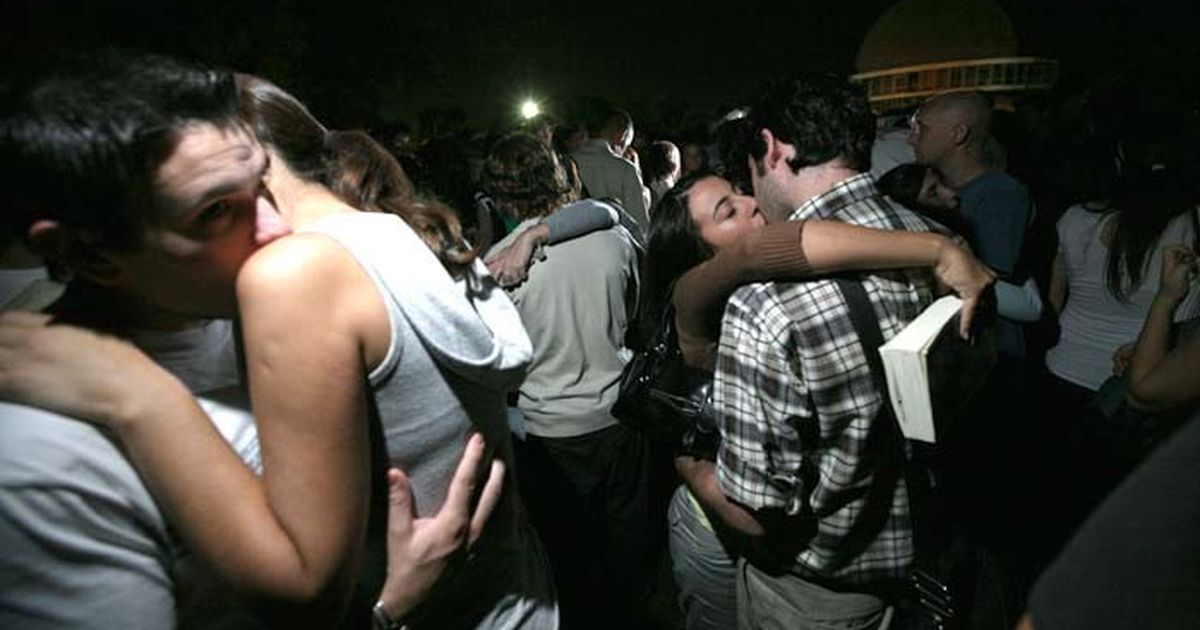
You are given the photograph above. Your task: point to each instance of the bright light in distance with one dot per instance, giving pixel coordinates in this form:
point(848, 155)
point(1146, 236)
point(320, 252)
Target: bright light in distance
point(530, 110)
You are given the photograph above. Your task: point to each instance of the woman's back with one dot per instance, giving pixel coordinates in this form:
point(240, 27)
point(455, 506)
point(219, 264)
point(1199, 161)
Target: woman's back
point(1094, 323)
point(453, 355)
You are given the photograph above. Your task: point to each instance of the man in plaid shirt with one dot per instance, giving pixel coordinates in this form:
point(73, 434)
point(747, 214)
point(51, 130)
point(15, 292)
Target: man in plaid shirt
point(804, 467)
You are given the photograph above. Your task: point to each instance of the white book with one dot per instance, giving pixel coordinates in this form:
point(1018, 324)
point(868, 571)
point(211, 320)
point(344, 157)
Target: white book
point(932, 372)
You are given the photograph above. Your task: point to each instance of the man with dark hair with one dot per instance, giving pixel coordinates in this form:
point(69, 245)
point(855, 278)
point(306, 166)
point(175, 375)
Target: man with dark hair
point(584, 476)
point(134, 177)
point(604, 170)
point(806, 466)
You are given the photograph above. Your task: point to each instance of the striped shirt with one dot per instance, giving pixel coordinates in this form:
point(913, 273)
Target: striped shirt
point(798, 409)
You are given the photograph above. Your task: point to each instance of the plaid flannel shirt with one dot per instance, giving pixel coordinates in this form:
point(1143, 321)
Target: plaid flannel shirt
point(797, 405)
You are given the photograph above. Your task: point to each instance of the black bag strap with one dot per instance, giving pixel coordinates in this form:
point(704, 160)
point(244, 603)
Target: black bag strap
point(862, 316)
point(916, 478)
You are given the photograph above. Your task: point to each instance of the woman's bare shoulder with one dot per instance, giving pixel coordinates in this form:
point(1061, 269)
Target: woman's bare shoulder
point(299, 262)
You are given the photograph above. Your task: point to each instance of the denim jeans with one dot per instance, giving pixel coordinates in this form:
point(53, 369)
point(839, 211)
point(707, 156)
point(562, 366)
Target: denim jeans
point(703, 570)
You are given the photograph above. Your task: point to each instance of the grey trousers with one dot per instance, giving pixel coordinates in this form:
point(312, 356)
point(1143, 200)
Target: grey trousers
point(787, 602)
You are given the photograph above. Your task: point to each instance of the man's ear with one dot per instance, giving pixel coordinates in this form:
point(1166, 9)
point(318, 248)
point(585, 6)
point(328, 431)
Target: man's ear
point(771, 157)
point(66, 249)
point(777, 150)
point(960, 134)
point(614, 138)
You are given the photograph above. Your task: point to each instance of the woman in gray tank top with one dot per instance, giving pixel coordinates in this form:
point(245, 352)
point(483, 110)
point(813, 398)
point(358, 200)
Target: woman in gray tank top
point(374, 310)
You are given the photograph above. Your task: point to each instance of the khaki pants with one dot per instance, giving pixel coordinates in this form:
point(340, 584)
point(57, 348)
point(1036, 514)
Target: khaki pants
point(787, 602)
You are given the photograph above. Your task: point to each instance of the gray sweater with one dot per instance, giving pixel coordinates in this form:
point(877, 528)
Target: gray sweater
point(576, 306)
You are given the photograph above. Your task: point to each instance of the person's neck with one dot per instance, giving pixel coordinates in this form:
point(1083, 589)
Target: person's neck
point(303, 203)
point(811, 182)
point(85, 304)
point(961, 170)
point(603, 141)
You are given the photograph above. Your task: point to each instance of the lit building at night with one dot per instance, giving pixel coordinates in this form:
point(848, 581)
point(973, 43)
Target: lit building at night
point(919, 48)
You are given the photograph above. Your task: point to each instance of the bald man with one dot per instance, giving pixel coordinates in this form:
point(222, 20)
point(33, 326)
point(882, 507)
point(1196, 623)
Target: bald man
point(952, 133)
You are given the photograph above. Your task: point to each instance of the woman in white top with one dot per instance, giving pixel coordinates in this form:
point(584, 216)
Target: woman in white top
point(1104, 280)
point(1106, 271)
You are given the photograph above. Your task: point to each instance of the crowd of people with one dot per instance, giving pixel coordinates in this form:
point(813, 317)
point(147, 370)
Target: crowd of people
point(256, 372)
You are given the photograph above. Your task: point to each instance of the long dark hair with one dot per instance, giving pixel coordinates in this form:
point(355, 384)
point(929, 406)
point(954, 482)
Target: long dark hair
point(674, 246)
point(1153, 189)
point(352, 165)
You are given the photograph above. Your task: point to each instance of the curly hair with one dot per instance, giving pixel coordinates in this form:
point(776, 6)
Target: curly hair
point(822, 116)
point(524, 178)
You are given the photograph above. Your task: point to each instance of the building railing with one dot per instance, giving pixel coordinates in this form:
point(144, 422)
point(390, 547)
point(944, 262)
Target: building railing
point(896, 87)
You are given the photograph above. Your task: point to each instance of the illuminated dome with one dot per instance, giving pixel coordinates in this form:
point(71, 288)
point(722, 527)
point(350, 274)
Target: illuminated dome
point(915, 32)
point(919, 48)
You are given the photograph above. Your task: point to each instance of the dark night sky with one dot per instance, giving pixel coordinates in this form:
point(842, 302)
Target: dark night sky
point(358, 62)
